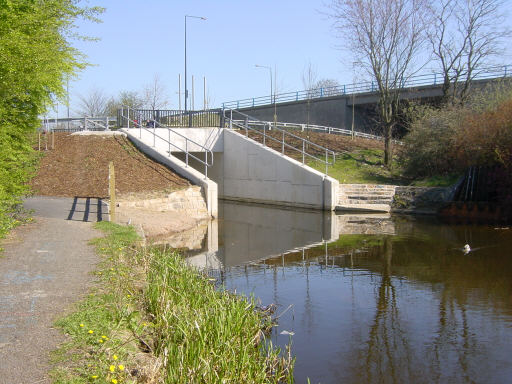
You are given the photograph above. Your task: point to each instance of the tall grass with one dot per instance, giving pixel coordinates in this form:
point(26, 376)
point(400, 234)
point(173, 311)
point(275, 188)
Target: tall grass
point(207, 335)
point(162, 321)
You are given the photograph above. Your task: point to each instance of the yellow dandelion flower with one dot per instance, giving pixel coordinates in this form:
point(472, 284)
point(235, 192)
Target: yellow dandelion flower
point(112, 368)
point(114, 357)
point(104, 337)
point(114, 381)
point(91, 331)
point(81, 325)
point(94, 376)
point(100, 341)
point(111, 269)
point(121, 367)
point(145, 324)
point(128, 296)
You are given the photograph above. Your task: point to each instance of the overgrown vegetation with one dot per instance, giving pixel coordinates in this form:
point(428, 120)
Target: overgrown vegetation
point(36, 58)
point(450, 139)
point(152, 319)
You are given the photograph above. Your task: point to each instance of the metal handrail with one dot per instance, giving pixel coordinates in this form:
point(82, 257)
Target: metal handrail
point(363, 87)
point(95, 123)
point(208, 153)
point(323, 128)
point(245, 125)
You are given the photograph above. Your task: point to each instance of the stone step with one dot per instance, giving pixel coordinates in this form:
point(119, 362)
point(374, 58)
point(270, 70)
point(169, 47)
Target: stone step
point(369, 186)
point(363, 207)
point(354, 201)
point(364, 191)
point(367, 197)
point(376, 195)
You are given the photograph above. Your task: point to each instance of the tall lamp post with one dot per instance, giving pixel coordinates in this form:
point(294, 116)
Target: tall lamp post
point(186, 89)
point(270, 71)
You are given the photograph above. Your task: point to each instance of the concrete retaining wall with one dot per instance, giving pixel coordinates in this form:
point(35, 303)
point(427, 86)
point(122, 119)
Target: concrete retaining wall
point(244, 170)
point(255, 173)
point(209, 187)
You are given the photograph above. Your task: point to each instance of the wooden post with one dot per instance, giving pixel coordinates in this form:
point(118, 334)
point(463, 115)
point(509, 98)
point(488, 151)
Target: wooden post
point(39, 141)
point(112, 190)
point(53, 139)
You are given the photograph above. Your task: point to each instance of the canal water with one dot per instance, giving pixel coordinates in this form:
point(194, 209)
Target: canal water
point(372, 298)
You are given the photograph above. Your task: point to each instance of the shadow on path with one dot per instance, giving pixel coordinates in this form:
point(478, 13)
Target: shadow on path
point(87, 209)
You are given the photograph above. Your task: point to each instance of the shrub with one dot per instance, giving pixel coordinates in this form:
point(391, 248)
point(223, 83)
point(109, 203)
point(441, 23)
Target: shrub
point(453, 138)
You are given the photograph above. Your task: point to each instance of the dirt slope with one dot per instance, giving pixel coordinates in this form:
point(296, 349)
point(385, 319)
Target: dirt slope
point(78, 166)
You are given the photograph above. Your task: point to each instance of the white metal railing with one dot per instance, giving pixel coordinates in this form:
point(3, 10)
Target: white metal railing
point(247, 125)
point(313, 127)
point(96, 124)
point(208, 154)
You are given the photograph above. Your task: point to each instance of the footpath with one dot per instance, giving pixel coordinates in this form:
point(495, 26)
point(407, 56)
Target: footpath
point(45, 267)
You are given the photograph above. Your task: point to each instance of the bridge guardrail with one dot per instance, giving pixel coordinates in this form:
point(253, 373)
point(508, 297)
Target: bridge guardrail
point(363, 87)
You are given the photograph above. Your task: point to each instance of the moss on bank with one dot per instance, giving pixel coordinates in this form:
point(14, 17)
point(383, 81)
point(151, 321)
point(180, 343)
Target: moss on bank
point(151, 318)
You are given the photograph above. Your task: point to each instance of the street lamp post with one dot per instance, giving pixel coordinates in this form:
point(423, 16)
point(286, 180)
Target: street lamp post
point(186, 89)
point(270, 71)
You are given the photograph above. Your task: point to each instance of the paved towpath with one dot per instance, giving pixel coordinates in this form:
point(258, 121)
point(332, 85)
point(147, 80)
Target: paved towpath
point(45, 267)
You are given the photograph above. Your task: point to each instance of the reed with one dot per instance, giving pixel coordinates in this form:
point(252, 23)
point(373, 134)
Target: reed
point(161, 320)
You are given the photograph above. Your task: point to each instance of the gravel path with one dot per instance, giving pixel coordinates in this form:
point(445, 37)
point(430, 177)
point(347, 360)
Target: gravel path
point(45, 268)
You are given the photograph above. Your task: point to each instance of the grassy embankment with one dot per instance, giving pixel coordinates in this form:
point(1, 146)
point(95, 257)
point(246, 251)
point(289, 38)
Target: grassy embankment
point(365, 166)
point(151, 318)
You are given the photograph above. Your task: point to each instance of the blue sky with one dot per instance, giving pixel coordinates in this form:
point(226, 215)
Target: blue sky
point(139, 39)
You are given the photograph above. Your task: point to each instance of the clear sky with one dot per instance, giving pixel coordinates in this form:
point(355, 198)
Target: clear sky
point(139, 39)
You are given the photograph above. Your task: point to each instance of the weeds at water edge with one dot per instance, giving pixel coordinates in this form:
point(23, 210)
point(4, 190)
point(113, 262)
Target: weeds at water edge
point(151, 318)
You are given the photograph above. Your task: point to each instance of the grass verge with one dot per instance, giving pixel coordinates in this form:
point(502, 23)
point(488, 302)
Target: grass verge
point(365, 166)
point(151, 318)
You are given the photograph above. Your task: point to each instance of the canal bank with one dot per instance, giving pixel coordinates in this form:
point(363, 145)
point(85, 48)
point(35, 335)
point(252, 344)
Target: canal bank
point(153, 318)
point(376, 298)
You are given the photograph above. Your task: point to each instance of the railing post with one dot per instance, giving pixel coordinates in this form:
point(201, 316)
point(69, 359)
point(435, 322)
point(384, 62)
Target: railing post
point(505, 72)
point(186, 152)
point(321, 92)
point(154, 135)
point(282, 144)
point(231, 119)
point(253, 101)
point(205, 164)
point(297, 96)
point(128, 116)
point(344, 89)
point(246, 125)
point(303, 151)
point(326, 161)
point(264, 133)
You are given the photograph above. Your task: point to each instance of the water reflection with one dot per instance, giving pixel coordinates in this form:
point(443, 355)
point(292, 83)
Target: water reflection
point(375, 299)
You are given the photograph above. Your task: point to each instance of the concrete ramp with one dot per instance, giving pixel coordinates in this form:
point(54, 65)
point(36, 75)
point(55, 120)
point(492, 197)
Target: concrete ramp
point(242, 170)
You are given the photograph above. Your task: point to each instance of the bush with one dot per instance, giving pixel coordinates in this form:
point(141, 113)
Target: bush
point(451, 139)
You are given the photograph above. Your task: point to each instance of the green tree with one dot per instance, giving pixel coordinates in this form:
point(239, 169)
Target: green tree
point(36, 57)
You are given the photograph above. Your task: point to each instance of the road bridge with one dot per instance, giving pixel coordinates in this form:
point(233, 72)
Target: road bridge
point(352, 104)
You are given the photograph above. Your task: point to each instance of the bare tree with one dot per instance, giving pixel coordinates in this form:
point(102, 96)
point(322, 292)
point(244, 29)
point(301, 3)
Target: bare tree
point(93, 104)
point(385, 37)
point(464, 36)
point(155, 94)
point(130, 99)
point(327, 87)
point(309, 79)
